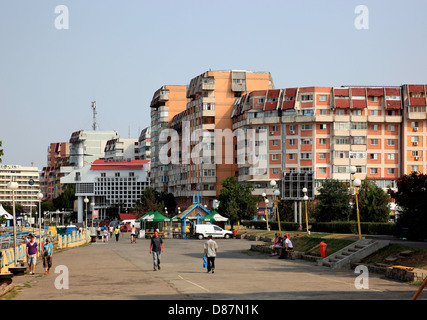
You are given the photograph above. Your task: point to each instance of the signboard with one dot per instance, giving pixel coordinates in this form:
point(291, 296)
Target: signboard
point(294, 182)
point(95, 214)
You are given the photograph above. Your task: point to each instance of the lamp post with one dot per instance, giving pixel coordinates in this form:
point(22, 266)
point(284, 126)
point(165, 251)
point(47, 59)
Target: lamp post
point(92, 204)
point(40, 197)
point(356, 184)
point(13, 186)
point(305, 198)
point(276, 193)
point(266, 209)
point(86, 201)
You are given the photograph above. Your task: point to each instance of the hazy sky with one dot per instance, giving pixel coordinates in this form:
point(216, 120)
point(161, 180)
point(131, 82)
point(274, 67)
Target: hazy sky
point(120, 52)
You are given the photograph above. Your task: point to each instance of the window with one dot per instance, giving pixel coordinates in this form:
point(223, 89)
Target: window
point(391, 127)
point(373, 99)
point(358, 140)
point(307, 127)
point(390, 171)
point(322, 141)
point(339, 112)
point(323, 97)
point(323, 126)
point(341, 154)
point(306, 141)
point(374, 127)
point(306, 156)
point(291, 156)
point(342, 140)
point(374, 112)
point(414, 153)
point(415, 139)
point(341, 125)
point(323, 112)
point(292, 127)
point(414, 168)
point(359, 125)
point(322, 155)
point(306, 97)
point(391, 156)
point(292, 142)
point(391, 142)
point(322, 170)
point(308, 112)
point(415, 124)
point(274, 128)
point(275, 156)
point(374, 142)
point(373, 170)
point(373, 156)
point(275, 143)
point(275, 170)
point(260, 100)
point(117, 174)
point(340, 169)
point(357, 112)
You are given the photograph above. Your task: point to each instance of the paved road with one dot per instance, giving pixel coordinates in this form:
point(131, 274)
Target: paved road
point(123, 271)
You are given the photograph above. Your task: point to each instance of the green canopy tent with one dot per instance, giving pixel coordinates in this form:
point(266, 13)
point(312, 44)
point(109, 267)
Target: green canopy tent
point(153, 217)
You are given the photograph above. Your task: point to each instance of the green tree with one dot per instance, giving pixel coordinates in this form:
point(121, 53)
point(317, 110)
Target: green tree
point(286, 210)
point(373, 203)
point(333, 202)
point(66, 199)
point(236, 201)
point(411, 198)
point(149, 201)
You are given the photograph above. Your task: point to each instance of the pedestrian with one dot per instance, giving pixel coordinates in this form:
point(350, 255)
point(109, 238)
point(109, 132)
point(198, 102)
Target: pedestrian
point(133, 234)
point(156, 248)
point(117, 232)
point(105, 235)
point(288, 246)
point(47, 256)
point(32, 251)
point(211, 248)
point(111, 231)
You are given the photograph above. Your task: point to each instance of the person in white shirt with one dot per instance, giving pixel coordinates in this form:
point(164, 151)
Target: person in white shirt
point(133, 234)
point(211, 248)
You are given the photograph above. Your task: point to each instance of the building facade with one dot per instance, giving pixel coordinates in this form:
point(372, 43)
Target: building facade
point(28, 185)
point(110, 185)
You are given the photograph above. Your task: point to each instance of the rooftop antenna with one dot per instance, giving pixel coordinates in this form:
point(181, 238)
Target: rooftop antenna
point(94, 115)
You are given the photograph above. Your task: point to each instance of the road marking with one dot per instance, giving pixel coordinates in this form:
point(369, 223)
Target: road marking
point(203, 288)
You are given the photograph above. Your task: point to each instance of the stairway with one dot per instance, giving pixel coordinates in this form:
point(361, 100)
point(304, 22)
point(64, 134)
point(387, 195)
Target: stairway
point(352, 253)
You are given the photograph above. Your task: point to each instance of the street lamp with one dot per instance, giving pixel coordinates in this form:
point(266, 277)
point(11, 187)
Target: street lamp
point(86, 201)
point(266, 209)
point(276, 193)
point(305, 198)
point(356, 184)
point(13, 186)
point(92, 204)
point(40, 197)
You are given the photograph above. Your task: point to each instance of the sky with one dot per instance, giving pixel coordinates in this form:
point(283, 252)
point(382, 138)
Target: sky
point(118, 53)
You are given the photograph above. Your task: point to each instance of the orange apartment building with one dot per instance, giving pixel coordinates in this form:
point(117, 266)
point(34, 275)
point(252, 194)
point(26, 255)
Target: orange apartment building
point(325, 130)
point(167, 102)
point(211, 97)
point(58, 155)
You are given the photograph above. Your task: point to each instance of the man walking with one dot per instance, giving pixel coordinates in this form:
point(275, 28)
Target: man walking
point(211, 248)
point(156, 248)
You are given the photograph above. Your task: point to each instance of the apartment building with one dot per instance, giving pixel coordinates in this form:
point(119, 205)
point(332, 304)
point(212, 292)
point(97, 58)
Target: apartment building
point(414, 128)
point(325, 130)
point(211, 97)
point(144, 144)
point(28, 185)
point(121, 149)
point(58, 154)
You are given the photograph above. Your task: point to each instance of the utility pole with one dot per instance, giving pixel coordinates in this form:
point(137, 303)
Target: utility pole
point(94, 115)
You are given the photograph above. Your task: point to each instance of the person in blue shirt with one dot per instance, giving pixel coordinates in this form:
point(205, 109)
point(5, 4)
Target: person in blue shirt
point(47, 256)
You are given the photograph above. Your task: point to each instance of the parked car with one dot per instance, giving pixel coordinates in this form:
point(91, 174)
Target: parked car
point(203, 230)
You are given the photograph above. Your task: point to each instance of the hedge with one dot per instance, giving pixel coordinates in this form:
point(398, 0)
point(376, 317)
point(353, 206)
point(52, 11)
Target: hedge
point(370, 228)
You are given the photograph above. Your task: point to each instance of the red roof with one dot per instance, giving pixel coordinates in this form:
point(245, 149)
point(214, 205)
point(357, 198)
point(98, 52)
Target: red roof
point(127, 216)
point(106, 165)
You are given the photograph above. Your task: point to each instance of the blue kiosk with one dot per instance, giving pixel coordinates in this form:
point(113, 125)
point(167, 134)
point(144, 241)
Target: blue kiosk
point(196, 212)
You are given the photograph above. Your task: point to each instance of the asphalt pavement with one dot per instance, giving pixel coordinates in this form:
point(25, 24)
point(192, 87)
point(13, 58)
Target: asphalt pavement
point(124, 271)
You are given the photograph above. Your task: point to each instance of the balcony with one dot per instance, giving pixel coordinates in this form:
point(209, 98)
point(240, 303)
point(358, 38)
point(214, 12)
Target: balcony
point(208, 84)
point(376, 119)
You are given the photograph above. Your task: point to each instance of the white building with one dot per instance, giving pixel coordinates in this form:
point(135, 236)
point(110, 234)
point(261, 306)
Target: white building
point(144, 144)
point(108, 183)
point(120, 149)
point(87, 146)
point(28, 185)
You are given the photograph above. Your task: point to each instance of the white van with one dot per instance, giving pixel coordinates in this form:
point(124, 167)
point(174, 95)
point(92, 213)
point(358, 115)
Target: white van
point(203, 230)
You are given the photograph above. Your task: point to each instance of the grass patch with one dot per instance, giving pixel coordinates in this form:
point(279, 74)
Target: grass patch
point(418, 258)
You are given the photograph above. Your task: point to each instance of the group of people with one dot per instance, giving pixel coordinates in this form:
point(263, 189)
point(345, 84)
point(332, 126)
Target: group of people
point(284, 243)
point(32, 251)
